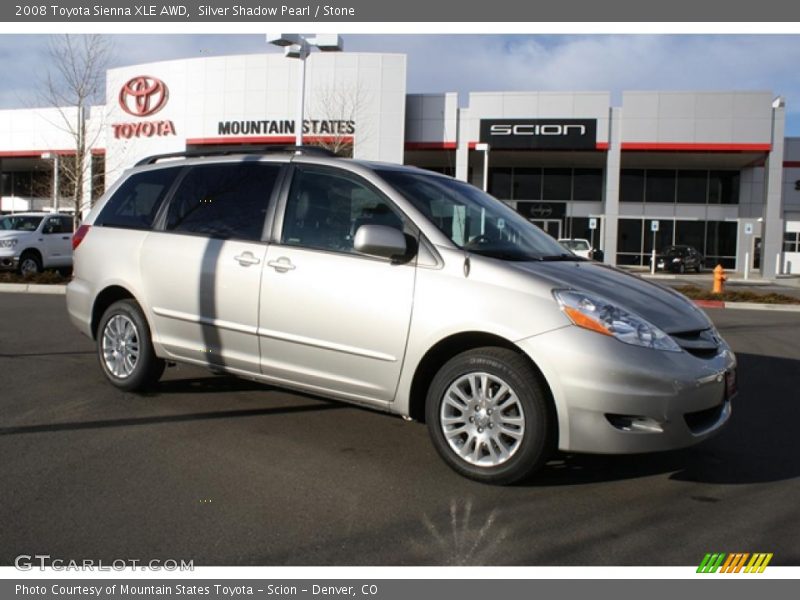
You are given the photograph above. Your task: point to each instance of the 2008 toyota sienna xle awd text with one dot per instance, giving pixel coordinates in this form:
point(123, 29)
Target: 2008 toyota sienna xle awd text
point(398, 289)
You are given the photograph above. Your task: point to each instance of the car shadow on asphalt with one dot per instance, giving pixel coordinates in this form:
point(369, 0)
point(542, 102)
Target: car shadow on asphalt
point(161, 419)
point(759, 444)
point(44, 354)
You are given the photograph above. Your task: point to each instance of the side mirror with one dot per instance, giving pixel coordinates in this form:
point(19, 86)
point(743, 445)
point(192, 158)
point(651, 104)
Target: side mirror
point(380, 240)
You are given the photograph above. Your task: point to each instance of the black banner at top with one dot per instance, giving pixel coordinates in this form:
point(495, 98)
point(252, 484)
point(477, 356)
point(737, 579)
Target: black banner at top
point(539, 134)
point(391, 11)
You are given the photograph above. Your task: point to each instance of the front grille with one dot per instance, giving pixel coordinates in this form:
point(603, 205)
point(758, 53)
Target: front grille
point(702, 343)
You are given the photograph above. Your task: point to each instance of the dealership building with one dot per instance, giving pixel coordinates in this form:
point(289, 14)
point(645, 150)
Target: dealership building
point(709, 169)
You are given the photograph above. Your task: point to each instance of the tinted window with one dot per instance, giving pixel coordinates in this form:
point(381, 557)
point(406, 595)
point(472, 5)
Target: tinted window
point(527, 184)
point(325, 208)
point(223, 201)
point(557, 184)
point(52, 225)
point(692, 186)
point(588, 184)
point(631, 185)
point(660, 186)
point(723, 187)
point(500, 183)
point(67, 225)
point(14, 223)
point(135, 204)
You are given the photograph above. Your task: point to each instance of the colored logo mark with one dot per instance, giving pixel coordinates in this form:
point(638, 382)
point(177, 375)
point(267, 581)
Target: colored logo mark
point(143, 96)
point(735, 562)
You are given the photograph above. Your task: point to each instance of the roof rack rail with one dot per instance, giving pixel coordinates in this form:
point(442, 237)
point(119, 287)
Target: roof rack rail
point(269, 149)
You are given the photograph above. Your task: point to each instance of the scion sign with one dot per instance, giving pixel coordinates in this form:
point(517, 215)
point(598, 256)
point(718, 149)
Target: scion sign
point(539, 134)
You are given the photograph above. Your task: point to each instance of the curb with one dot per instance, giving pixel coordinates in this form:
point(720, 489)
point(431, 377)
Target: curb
point(747, 305)
point(33, 288)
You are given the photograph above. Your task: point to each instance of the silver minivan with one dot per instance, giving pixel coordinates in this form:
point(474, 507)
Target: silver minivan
point(398, 289)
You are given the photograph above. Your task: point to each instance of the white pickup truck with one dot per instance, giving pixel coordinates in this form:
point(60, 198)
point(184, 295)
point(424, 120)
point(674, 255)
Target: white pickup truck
point(33, 241)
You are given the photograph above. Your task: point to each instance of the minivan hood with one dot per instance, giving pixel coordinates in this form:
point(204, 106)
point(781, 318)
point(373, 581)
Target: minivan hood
point(664, 308)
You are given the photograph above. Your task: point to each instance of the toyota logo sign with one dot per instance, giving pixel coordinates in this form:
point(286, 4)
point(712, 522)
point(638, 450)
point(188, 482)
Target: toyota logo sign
point(143, 96)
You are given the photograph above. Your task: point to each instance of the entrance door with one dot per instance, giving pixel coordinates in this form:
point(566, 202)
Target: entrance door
point(551, 226)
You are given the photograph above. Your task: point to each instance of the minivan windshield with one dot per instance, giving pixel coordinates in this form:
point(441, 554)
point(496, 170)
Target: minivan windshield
point(19, 223)
point(473, 220)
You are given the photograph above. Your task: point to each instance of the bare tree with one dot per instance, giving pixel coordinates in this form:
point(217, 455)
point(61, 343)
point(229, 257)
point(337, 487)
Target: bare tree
point(75, 82)
point(338, 106)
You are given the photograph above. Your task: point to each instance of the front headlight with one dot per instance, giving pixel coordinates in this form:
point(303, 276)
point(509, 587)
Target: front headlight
point(603, 316)
point(8, 243)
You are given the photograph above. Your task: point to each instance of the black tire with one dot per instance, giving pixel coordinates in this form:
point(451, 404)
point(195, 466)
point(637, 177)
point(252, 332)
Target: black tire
point(147, 368)
point(29, 263)
point(682, 269)
point(537, 440)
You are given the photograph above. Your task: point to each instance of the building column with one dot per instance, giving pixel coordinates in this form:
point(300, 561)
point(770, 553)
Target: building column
point(462, 145)
point(772, 227)
point(611, 187)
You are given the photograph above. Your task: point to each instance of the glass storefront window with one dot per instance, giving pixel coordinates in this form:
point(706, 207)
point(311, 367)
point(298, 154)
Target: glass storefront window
point(692, 186)
point(690, 233)
point(587, 184)
point(723, 187)
point(500, 183)
point(629, 235)
point(660, 186)
point(631, 185)
point(720, 238)
point(557, 184)
point(527, 184)
point(791, 242)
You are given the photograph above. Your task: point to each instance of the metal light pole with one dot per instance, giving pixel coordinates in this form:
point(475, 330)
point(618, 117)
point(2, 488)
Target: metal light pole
point(299, 46)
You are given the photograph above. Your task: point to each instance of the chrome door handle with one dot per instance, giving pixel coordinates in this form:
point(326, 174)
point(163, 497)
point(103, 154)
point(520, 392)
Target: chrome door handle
point(281, 265)
point(246, 259)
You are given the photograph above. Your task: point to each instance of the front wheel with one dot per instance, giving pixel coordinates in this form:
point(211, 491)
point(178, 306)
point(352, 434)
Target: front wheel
point(125, 349)
point(489, 416)
point(29, 264)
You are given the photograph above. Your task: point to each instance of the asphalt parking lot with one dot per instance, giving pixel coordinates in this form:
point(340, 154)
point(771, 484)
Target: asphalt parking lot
point(228, 472)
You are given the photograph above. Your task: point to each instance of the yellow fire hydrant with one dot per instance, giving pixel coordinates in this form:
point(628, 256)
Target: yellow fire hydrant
point(719, 280)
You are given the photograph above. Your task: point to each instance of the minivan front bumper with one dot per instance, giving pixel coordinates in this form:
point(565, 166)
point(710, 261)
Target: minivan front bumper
point(616, 398)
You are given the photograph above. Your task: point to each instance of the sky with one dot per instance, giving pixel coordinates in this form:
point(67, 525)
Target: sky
point(463, 63)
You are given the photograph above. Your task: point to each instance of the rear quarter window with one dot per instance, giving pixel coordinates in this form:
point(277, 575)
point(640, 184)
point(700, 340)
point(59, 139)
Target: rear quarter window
point(136, 202)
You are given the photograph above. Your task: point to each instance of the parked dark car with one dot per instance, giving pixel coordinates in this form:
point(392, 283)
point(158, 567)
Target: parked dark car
point(680, 259)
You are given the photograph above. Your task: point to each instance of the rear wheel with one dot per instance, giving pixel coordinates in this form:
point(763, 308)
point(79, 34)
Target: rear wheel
point(125, 349)
point(489, 417)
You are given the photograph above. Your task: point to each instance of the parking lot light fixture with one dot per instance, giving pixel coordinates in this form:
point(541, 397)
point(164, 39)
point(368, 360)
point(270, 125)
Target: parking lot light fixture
point(299, 46)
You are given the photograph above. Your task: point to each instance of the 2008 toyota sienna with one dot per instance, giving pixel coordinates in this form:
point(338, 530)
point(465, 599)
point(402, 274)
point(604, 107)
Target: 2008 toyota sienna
point(398, 289)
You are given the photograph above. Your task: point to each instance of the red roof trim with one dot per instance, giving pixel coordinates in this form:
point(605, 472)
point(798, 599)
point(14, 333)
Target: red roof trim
point(431, 145)
point(695, 147)
point(33, 153)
